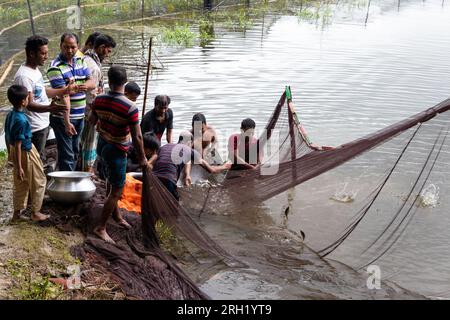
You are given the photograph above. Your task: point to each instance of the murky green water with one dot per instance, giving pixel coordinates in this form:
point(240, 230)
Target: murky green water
point(348, 79)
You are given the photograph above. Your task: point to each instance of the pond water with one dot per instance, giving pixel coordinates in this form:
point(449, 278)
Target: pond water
point(349, 77)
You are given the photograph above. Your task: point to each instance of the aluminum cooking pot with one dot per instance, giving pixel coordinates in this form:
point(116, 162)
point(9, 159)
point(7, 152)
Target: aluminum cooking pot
point(70, 187)
point(136, 175)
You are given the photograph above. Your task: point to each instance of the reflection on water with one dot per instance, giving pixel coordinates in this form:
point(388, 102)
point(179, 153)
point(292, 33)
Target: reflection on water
point(348, 79)
point(280, 267)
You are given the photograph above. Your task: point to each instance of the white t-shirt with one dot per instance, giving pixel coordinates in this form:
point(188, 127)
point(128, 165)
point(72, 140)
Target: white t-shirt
point(32, 80)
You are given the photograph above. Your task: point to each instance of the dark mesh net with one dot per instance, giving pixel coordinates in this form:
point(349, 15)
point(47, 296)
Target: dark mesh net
point(252, 186)
point(389, 173)
point(384, 200)
point(404, 156)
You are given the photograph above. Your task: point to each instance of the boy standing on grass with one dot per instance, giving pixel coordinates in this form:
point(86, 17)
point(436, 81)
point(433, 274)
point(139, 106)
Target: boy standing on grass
point(29, 177)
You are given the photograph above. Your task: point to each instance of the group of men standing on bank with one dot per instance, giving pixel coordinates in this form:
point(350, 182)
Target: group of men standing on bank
point(75, 80)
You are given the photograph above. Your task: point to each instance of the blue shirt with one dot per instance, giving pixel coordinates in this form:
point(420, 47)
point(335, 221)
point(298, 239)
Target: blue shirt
point(17, 128)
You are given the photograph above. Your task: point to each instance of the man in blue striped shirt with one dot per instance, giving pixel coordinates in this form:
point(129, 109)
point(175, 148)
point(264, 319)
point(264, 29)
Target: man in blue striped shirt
point(68, 68)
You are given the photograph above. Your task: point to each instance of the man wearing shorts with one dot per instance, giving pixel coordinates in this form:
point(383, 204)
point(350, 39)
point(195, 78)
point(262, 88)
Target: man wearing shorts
point(116, 117)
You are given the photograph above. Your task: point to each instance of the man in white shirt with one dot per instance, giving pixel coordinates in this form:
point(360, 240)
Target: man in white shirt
point(39, 107)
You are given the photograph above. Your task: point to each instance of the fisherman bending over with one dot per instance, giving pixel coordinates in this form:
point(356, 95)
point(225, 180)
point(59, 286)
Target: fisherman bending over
point(151, 147)
point(173, 158)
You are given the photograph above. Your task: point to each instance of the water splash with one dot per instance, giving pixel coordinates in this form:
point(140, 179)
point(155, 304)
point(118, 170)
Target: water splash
point(204, 183)
point(343, 195)
point(429, 197)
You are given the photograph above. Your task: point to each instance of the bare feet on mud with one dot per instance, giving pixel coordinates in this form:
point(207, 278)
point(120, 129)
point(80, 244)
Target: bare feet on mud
point(101, 233)
point(37, 216)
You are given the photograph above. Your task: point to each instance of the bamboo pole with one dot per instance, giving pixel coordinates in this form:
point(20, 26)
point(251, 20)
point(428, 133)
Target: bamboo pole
point(81, 15)
point(6, 72)
point(291, 129)
point(30, 13)
point(367, 15)
point(149, 70)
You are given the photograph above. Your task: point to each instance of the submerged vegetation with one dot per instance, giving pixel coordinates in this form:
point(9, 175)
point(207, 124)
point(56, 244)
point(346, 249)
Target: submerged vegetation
point(169, 241)
point(206, 30)
point(180, 35)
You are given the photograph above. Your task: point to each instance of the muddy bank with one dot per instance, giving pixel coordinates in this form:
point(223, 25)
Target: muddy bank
point(37, 260)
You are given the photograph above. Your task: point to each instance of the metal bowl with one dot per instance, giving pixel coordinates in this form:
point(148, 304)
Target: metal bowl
point(136, 175)
point(70, 187)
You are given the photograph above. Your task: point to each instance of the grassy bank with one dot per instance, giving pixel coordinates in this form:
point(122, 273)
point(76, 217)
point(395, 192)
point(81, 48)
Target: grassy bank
point(30, 255)
point(36, 260)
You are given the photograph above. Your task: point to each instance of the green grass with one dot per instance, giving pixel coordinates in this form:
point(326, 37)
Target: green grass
point(307, 14)
point(28, 285)
point(3, 157)
point(316, 12)
point(238, 20)
point(40, 254)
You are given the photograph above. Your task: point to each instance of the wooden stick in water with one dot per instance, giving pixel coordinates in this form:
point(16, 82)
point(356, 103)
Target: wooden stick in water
point(149, 69)
point(6, 72)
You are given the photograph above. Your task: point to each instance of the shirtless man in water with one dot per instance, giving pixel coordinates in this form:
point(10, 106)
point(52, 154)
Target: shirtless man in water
point(204, 135)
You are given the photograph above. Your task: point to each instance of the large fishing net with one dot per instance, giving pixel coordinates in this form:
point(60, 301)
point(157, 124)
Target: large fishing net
point(385, 178)
point(358, 202)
